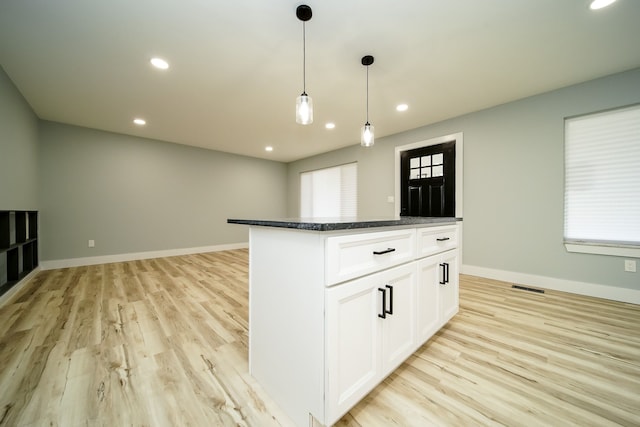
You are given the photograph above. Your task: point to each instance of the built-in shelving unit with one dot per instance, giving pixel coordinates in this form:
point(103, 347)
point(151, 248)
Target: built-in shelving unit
point(18, 246)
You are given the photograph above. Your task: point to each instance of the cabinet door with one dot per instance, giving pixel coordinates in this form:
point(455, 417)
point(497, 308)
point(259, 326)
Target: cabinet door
point(353, 344)
point(370, 331)
point(399, 324)
point(428, 298)
point(448, 273)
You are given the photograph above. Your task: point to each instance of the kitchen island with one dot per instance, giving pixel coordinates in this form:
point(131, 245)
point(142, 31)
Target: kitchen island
point(335, 305)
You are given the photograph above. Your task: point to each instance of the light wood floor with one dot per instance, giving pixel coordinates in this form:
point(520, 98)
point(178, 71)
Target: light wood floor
point(164, 343)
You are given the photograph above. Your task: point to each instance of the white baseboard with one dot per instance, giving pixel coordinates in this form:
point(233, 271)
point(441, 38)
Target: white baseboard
point(15, 288)
point(581, 288)
point(106, 259)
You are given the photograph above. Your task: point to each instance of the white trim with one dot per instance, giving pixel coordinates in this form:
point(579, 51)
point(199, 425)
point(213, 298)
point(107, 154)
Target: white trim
point(7, 296)
point(106, 259)
point(581, 288)
point(586, 248)
point(458, 137)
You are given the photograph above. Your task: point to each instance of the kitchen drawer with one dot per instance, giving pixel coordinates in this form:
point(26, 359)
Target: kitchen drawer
point(355, 255)
point(433, 240)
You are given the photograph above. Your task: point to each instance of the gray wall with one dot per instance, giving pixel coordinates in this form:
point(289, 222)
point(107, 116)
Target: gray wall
point(131, 194)
point(513, 180)
point(18, 149)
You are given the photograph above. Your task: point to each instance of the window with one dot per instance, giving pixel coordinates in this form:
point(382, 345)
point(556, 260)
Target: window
point(602, 182)
point(329, 193)
point(430, 166)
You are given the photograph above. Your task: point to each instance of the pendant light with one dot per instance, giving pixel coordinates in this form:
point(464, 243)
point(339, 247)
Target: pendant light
point(304, 103)
point(366, 133)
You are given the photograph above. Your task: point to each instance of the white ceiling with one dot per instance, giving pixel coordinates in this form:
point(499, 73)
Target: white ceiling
point(236, 66)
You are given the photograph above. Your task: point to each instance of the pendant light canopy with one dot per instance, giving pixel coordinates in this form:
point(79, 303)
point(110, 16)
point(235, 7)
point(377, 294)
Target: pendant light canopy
point(304, 103)
point(367, 133)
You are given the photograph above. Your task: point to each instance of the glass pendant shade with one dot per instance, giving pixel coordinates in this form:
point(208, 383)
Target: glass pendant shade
point(304, 109)
point(367, 135)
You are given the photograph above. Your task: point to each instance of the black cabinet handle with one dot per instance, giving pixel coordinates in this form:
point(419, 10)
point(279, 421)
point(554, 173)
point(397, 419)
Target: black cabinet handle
point(390, 311)
point(443, 239)
point(383, 315)
point(384, 252)
point(445, 273)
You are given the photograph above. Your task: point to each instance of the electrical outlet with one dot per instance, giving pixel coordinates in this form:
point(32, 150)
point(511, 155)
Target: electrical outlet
point(630, 265)
point(92, 243)
point(390, 199)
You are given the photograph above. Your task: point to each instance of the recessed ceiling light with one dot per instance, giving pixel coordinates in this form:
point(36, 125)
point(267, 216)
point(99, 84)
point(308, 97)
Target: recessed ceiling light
point(140, 122)
point(330, 125)
point(159, 63)
point(599, 4)
point(269, 148)
point(402, 107)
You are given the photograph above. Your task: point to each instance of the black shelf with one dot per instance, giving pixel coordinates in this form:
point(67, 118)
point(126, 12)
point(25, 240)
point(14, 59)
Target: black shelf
point(18, 246)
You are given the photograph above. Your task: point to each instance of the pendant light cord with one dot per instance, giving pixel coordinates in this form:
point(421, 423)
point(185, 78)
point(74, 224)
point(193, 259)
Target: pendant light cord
point(367, 94)
point(304, 59)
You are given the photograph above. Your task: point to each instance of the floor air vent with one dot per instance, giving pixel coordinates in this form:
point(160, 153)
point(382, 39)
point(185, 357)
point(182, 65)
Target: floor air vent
point(524, 288)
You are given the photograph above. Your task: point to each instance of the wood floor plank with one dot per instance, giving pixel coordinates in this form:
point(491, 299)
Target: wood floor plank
point(163, 342)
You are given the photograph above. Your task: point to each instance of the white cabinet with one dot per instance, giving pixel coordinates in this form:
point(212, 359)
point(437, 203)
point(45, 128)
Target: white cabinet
point(370, 331)
point(353, 342)
point(331, 314)
point(448, 290)
point(428, 298)
point(399, 322)
point(437, 292)
point(355, 255)
point(433, 240)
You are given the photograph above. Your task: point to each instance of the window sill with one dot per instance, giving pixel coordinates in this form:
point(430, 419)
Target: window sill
point(590, 248)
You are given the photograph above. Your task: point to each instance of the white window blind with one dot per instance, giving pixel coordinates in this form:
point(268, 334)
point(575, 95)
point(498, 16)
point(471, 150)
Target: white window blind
point(329, 193)
point(602, 179)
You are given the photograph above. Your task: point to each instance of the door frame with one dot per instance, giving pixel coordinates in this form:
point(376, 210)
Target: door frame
point(458, 137)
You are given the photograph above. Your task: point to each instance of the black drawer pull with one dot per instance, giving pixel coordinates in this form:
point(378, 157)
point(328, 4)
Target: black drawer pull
point(383, 315)
point(384, 252)
point(443, 239)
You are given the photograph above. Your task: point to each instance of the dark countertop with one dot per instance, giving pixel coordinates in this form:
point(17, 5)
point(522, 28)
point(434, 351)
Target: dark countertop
point(332, 224)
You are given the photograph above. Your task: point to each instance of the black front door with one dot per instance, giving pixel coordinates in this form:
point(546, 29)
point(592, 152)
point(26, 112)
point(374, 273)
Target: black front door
point(428, 181)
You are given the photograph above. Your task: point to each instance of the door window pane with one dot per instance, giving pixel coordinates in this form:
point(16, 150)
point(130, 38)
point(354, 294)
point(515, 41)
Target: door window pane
point(423, 167)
